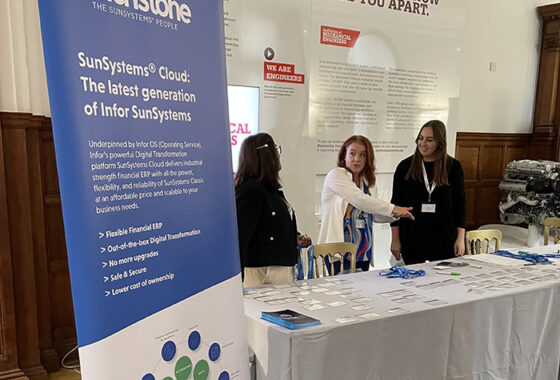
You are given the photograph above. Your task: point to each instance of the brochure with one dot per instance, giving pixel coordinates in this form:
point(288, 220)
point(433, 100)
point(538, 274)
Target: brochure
point(289, 319)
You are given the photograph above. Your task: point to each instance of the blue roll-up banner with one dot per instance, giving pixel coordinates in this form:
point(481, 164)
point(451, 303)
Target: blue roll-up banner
point(139, 108)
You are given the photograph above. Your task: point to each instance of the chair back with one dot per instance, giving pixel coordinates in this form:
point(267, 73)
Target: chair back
point(552, 229)
point(475, 241)
point(334, 251)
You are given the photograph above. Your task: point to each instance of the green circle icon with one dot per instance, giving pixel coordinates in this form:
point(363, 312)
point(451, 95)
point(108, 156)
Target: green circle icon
point(201, 370)
point(183, 368)
point(168, 378)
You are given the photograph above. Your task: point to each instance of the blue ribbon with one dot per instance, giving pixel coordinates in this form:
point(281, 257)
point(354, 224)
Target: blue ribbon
point(531, 257)
point(402, 272)
point(299, 264)
point(311, 259)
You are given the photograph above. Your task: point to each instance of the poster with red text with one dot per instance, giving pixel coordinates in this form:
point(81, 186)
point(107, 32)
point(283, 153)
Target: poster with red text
point(382, 69)
point(267, 47)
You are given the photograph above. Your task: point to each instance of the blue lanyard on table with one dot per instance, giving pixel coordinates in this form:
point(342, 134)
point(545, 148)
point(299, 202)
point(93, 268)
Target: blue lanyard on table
point(551, 255)
point(531, 257)
point(402, 272)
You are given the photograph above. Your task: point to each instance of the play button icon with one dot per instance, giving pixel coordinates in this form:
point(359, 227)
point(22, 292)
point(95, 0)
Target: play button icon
point(269, 53)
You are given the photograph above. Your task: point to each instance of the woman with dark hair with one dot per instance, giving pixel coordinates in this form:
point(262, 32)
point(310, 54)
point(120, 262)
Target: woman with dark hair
point(348, 204)
point(432, 182)
point(268, 236)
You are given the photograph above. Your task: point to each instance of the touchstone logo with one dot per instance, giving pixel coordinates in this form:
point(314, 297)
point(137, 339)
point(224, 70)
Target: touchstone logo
point(170, 9)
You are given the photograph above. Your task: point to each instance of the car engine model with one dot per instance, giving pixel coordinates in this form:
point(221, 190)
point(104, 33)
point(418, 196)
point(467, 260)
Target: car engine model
point(531, 192)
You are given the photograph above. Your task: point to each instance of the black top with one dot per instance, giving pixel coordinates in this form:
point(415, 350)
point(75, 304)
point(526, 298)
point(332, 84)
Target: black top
point(267, 226)
point(432, 235)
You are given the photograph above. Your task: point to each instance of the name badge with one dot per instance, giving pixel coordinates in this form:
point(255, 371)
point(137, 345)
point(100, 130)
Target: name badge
point(429, 207)
point(360, 223)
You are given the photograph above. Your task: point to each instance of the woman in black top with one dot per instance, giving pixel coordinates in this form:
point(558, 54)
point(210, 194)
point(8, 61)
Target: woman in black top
point(268, 236)
point(432, 182)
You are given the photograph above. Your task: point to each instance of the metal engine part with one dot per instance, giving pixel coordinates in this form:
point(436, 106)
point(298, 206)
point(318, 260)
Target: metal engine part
point(531, 191)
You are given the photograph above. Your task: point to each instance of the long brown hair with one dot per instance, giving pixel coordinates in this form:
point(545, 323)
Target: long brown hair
point(368, 172)
point(258, 159)
point(440, 156)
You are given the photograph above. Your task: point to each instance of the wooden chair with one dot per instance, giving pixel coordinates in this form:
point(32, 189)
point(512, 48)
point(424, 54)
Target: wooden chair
point(554, 225)
point(476, 238)
point(332, 251)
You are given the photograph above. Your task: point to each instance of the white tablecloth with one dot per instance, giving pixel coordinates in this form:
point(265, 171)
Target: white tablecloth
point(491, 321)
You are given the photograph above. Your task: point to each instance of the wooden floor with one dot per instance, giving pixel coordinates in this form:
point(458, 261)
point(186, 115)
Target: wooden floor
point(65, 374)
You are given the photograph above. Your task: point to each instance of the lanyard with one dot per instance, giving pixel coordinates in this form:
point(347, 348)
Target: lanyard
point(429, 188)
point(299, 264)
point(402, 272)
point(532, 257)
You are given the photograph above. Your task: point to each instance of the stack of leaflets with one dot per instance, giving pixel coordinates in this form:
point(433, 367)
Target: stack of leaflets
point(289, 319)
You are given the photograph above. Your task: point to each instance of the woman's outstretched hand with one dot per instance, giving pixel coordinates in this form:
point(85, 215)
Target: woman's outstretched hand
point(402, 212)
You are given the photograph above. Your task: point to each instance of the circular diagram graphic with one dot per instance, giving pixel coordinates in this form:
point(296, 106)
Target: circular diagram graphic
point(168, 351)
point(183, 368)
point(194, 340)
point(206, 368)
point(201, 370)
point(214, 352)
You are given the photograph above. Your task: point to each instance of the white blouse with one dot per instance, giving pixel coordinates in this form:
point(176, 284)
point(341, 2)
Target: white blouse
point(338, 191)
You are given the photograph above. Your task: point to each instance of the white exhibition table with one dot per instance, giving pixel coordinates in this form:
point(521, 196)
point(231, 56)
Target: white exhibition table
point(497, 319)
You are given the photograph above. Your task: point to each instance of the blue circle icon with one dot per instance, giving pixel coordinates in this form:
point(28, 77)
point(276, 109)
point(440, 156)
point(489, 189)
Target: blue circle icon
point(214, 352)
point(168, 351)
point(194, 340)
point(149, 376)
point(224, 376)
